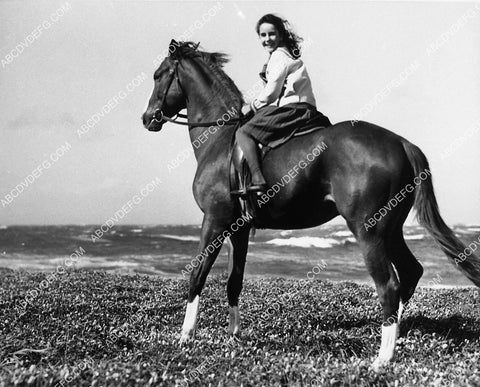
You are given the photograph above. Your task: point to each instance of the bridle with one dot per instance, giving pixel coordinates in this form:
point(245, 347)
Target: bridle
point(158, 115)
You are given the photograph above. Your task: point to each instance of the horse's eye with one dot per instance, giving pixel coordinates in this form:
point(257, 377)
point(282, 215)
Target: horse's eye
point(157, 75)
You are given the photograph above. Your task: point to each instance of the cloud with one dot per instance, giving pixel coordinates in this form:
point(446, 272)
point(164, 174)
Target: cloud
point(34, 117)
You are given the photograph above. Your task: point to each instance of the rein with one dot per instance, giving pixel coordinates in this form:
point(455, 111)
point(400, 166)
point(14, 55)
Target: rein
point(190, 123)
point(159, 116)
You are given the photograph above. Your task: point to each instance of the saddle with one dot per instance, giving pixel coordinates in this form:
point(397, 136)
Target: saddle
point(240, 177)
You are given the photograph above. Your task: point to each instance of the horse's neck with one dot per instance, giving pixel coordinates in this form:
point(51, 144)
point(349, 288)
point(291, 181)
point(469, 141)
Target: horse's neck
point(211, 140)
point(204, 106)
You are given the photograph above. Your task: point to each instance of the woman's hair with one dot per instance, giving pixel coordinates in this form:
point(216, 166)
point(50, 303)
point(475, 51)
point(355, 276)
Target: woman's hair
point(289, 38)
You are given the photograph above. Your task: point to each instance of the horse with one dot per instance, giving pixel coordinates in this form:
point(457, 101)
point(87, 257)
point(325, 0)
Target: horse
point(361, 169)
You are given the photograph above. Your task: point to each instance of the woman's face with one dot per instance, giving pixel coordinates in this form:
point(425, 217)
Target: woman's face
point(269, 37)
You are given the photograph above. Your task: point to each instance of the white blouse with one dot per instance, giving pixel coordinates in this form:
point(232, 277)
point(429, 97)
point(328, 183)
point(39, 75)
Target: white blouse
point(284, 69)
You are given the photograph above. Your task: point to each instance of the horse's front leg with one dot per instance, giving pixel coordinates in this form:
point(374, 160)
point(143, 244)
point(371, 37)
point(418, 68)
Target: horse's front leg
point(212, 237)
point(235, 280)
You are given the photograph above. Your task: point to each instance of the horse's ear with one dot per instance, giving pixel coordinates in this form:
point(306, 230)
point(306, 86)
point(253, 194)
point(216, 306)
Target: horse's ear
point(196, 46)
point(172, 47)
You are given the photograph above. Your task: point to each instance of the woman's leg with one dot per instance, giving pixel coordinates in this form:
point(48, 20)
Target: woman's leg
point(249, 147)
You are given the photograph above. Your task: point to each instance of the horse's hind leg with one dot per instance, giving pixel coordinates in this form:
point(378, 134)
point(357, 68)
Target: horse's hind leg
point(375, 253)
point(235, 280)
point(408, 268)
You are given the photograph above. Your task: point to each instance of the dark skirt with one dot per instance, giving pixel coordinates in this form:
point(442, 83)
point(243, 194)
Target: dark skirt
point(274, 125)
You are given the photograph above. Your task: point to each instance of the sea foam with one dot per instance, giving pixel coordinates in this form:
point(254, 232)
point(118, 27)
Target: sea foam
point(323, 243)
point(188, 238)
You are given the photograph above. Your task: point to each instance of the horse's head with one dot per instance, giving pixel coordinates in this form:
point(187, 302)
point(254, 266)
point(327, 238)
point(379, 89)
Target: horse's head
point(167, 97)
point(187, 70)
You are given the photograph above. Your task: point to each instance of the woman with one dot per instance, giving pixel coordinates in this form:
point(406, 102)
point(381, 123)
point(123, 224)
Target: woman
point(287, 101)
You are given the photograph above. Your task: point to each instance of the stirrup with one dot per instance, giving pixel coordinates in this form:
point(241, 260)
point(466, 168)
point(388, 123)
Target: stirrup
point(239, 192)
point(259, 188)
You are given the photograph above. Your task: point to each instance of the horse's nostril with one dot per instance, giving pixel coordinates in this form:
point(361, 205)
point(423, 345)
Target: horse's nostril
point(158, 115)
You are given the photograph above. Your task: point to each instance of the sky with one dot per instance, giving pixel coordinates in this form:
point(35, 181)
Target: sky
point(66, 64)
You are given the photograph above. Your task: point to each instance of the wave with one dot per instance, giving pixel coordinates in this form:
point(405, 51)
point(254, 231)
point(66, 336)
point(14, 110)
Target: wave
point(414, 237)
point(323, 243)
point(342, 233)
point(185, 238)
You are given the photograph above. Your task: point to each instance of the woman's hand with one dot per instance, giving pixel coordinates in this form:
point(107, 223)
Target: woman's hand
point(246, 110)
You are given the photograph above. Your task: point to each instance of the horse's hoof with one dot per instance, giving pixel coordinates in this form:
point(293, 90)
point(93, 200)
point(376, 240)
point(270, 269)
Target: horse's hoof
point(379, 364)
point(185, 337)
point(234, 331)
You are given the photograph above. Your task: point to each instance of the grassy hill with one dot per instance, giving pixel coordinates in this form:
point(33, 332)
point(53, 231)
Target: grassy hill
point(98, 329)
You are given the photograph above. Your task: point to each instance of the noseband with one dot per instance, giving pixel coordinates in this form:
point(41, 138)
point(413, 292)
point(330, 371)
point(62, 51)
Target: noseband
point(159, 116)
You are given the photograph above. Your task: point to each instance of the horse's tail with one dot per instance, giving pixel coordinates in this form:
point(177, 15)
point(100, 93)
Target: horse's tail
point(429, 217)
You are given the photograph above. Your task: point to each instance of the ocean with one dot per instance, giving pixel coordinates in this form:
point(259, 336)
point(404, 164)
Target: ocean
point(328, 252)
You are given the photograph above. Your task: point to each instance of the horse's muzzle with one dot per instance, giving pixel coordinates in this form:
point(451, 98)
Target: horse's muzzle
point(155, 126)
point(156, 123)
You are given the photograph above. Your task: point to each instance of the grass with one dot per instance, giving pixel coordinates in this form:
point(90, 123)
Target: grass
point(100, 329)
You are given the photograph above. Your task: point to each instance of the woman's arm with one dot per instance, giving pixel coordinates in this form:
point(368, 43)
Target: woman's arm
point(277, 71)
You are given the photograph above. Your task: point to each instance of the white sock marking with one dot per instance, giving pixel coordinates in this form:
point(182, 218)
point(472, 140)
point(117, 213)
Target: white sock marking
point(190, 322)
point(389, 340)
point(234, 324)
point(400, 311)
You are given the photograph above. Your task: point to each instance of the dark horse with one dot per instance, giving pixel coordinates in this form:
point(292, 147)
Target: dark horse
point(363, 169)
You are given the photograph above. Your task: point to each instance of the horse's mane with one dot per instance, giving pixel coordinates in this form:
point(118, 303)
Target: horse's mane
point(223, 84)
